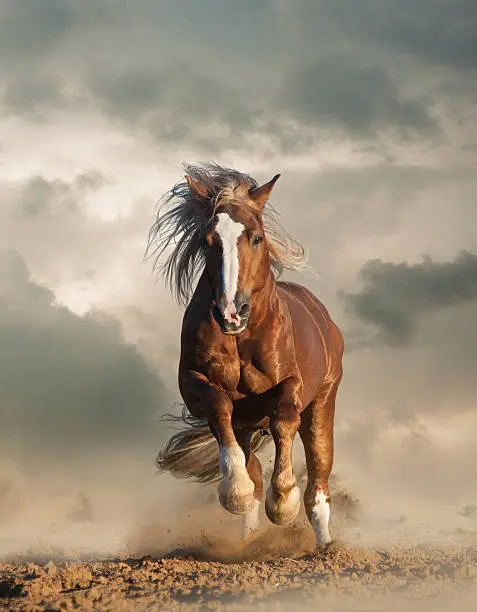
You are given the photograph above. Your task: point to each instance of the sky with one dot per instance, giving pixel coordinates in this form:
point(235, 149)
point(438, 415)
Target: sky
point(367, 109)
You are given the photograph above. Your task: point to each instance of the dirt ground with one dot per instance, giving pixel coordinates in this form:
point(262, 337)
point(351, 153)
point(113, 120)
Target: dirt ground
point(170, 563)
point(256, 577)
point(178, 566)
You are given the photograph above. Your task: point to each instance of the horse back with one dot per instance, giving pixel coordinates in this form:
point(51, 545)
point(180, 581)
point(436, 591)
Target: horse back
point(318, 341)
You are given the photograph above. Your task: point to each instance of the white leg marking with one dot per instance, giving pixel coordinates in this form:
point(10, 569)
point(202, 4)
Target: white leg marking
point(251, 521)
point(320, 516)
point(236, 488)
point(229, 232)
point(230, 458)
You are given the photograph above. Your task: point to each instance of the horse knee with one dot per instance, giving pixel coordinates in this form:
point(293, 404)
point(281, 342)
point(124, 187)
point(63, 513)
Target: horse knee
point(286, 420)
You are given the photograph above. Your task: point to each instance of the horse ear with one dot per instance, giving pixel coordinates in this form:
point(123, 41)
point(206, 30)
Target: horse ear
point(199, 190)
point(261, 194)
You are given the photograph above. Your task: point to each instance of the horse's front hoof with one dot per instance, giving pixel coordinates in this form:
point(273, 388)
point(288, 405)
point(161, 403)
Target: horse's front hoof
point(236, 492)
point(282, 510)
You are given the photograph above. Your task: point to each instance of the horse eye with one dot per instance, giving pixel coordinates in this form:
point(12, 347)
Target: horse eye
point(257, 240)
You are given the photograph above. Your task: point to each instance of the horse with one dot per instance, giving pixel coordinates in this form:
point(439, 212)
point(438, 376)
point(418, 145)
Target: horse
point(258, 355)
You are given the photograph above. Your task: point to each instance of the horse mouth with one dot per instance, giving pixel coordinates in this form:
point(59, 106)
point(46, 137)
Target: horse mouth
point(226, 328)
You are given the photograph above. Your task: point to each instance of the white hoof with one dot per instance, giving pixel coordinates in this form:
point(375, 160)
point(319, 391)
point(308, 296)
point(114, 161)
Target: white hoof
point(282, 511)
point(236, 492)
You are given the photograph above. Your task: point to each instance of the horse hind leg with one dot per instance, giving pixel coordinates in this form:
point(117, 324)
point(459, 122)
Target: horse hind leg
point(282, 502)
point(316, 431)
point(250, 523)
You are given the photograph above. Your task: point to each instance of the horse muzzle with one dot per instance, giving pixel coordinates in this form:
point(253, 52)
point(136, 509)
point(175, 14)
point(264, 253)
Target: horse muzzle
point(235, 324)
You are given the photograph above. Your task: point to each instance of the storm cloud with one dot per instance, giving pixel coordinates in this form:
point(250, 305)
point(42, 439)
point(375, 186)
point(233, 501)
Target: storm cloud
point(394, 296)
point(338, 92)
point(69, 384)
point(321, 67)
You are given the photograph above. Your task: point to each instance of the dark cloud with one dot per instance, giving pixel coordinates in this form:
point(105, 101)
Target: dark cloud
point(283, 71)
point(28, 93)
point(29, 29)
point(57, 197)
point(69, 384)
point(437, 32)
point(175, 103)
point(362, 99)
point(32, 31)
point(395, 295)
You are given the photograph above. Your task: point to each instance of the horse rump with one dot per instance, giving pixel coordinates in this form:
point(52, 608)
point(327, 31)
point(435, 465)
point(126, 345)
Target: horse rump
point(193, 453)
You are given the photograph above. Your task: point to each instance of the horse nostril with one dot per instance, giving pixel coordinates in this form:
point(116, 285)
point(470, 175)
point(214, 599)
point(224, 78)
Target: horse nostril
point(244, 309)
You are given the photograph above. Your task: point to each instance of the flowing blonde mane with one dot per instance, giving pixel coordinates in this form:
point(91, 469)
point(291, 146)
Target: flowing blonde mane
point(182, 222)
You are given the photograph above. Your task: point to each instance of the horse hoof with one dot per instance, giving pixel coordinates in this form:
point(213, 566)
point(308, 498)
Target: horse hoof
point(236, 493)
point(282, 511)
point(323, 545)
point(236, 504)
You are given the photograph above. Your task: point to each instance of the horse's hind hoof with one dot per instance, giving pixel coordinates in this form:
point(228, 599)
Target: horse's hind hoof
point(323, 547)
point(282, 511)
point(236, 493)
point(326, 548)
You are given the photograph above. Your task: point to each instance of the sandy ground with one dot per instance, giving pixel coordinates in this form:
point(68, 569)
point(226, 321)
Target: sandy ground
point(346, 578)
point(190, 558)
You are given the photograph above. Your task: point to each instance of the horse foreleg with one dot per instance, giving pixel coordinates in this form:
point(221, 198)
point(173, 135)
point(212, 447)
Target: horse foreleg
point(254, 469)
point(316, 432)
point(283, 496)
point(203, 398)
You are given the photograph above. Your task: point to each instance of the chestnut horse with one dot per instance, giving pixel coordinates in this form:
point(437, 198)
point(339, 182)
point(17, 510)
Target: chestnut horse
point(256, 354)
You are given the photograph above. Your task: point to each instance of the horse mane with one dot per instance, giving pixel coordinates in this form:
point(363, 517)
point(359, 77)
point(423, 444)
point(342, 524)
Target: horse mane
point(182, 221)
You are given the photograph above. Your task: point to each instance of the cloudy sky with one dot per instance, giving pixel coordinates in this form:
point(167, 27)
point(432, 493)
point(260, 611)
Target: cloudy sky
point(368, 109)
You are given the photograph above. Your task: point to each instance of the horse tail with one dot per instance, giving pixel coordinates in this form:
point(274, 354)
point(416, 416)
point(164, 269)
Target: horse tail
point(193, 452)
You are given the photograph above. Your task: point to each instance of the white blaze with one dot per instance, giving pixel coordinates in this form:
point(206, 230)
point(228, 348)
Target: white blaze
point(229, 232)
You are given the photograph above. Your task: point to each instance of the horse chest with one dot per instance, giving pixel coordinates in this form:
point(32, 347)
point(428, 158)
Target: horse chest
point(241, 375)
point(225, 371)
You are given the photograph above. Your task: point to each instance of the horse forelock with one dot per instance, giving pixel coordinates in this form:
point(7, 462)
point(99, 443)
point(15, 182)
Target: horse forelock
point(184, 218)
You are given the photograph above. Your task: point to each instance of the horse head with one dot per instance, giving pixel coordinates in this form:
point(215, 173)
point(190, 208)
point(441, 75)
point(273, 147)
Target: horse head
point(237, 253)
